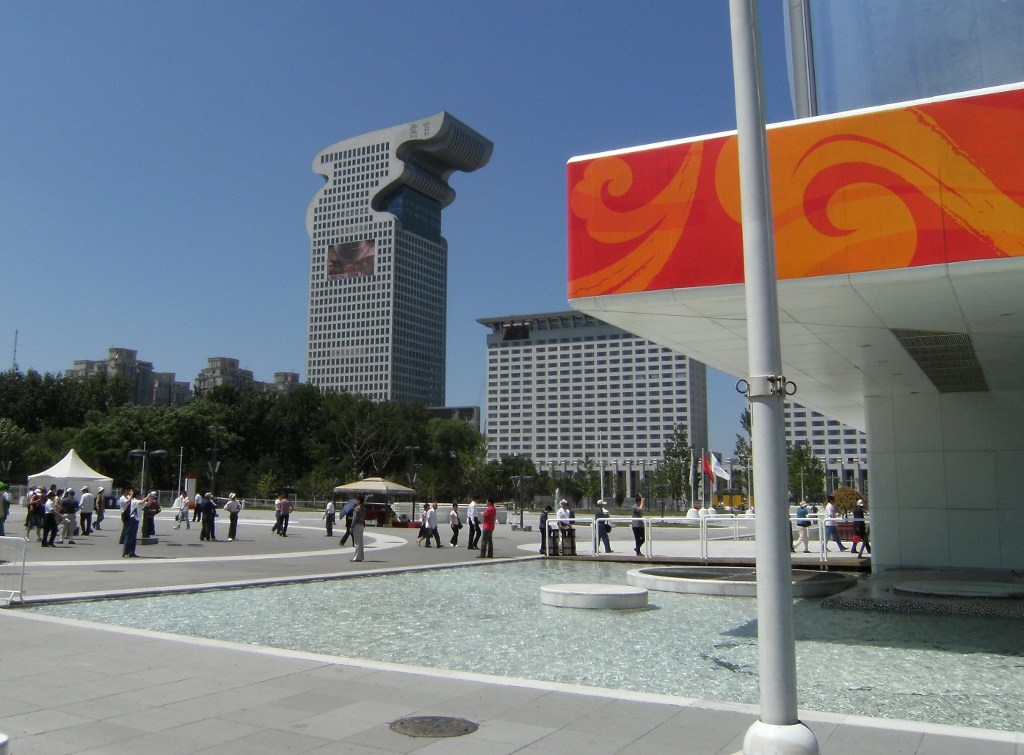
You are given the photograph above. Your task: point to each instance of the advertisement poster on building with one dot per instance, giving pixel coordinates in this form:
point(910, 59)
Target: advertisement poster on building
point(353, 259)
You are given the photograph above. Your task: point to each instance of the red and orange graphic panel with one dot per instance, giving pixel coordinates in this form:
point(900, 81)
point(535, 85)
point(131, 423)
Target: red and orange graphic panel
point(912, 185)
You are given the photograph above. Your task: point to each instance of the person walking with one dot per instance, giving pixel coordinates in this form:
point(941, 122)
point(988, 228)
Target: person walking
point(831, 531)
point(455, 522)
point(544, 529)
point(432, 527)
point(130, 518)
point(328, 518)
point(100, 510)
point(233, 506)
point(196, 512)
point(803, 523)
point(473, 520)
point(424, 533)
point(51, 512)
point(181, 506)
point(490, 517)
point(639, 534)
point(603, 528)
point(860, 530)
point(358, 523)
point(348, 525)
point(85, 510)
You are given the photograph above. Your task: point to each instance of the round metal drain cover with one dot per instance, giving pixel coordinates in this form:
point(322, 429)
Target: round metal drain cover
point(433, 726)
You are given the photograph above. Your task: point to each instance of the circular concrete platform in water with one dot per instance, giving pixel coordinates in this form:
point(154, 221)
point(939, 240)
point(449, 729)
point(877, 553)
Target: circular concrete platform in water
point(735, 581)
point(616, 597)
point(961, 589)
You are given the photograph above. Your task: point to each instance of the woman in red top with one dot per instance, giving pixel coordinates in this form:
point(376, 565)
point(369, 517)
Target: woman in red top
point(487, 542)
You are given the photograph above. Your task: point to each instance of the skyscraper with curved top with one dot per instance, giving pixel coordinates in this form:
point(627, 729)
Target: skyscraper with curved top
point(378, 282)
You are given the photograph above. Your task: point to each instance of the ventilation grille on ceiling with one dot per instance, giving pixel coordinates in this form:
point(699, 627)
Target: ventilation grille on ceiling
point(948, 359)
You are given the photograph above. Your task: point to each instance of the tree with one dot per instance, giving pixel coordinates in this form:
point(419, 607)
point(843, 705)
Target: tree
point(806, 474)
point(674, 472)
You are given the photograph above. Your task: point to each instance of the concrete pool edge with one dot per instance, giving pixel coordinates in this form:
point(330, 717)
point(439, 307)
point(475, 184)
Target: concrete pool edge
point(836, 719)
point(146, 592)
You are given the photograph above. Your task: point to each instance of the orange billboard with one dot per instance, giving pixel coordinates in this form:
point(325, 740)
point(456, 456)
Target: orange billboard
point(922, 184)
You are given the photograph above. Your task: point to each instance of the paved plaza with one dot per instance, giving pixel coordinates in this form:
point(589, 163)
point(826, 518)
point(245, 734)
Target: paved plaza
point(75, 687)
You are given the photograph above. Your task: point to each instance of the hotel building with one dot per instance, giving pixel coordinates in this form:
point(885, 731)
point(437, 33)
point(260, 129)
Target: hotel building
point(563, 386)
point(378, 264)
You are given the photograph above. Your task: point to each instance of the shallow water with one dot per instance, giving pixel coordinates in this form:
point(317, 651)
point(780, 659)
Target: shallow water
point(944, 669)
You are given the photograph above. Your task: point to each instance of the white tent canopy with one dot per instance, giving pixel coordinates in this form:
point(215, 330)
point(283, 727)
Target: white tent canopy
point(71, 472)
point(374, 485)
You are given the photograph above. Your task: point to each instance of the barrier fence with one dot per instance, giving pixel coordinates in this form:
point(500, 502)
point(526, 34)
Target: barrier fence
point(564, 536)
point(12, 569)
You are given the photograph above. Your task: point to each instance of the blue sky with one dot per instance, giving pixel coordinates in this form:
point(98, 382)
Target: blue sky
point(155, 158)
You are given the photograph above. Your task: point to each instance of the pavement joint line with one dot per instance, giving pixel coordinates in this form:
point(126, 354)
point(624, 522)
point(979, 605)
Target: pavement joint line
point(916, 727)
point(381, 542)
point(138, 592)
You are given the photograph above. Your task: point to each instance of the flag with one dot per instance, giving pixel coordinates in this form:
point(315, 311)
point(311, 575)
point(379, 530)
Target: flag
point(707, 465)
point(719, 470)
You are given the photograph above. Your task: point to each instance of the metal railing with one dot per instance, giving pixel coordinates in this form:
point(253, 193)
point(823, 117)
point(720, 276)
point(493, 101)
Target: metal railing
point(12, 569)
point(711, 528)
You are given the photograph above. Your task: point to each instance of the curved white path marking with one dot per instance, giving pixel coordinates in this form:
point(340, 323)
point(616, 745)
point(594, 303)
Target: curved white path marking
point(376, 542)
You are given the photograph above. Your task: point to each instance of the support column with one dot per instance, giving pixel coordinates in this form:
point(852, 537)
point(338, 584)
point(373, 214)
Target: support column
point(779, 731)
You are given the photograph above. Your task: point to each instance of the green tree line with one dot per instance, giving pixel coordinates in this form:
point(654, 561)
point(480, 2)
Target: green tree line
point(306, 440)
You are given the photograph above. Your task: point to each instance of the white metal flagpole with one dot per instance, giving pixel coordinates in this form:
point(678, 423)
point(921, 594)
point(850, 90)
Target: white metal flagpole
point(778, 730)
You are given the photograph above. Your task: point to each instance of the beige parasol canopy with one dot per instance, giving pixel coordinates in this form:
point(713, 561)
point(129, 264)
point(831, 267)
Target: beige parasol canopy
point(374, 485)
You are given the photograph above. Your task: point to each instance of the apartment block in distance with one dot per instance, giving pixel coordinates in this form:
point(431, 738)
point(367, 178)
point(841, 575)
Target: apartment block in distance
point(378, 282)
point(123, 363)
point(564, 386)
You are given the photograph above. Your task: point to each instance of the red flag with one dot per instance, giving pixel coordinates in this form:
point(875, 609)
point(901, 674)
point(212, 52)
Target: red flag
point(707, 465)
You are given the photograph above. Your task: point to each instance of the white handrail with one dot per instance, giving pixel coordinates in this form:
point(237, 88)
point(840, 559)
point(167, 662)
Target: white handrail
point(704, 522)
point(12, 573)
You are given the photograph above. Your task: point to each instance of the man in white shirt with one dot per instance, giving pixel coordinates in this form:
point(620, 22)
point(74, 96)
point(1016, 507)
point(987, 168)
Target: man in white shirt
point(329, 518)
point(233, 506)
point(196, 511)
point(432, 527)
point(474, 524)
point(181, 506)
point(831, 531)
point(86, 507)
point(566, 531)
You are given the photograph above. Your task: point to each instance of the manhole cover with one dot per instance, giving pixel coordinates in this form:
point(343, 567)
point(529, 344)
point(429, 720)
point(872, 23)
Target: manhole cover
point(433, 726)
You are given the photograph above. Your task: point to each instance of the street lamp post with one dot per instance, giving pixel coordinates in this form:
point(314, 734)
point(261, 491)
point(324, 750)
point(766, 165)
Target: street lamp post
point(214, 466)
point(411, 475)
point(778, 729)
point(518, 481)
point(142, 452)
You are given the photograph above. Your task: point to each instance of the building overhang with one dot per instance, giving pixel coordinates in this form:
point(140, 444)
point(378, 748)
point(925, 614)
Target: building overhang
point(899, 248)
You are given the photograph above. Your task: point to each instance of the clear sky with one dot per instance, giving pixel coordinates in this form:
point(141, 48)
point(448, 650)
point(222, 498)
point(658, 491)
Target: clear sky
point(155, 158)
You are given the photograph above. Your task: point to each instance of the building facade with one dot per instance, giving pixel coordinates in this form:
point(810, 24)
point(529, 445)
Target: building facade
point(123, 363)
point(222, 371)
point(378, 287)
point(169, 392)
point(563, 387)
point(842, 449)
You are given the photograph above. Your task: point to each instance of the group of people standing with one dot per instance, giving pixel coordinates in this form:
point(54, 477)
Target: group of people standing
point(481, 527)
point(59, 510)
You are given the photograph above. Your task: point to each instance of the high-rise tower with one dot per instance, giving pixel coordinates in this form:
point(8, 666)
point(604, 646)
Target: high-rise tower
point(378, 283)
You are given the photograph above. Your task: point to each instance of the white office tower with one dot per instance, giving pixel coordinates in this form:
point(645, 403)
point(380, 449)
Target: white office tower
point(564, 386)
point(378, 284)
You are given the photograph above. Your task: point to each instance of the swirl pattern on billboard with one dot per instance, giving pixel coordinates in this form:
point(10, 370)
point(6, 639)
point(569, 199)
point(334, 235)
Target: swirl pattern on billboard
point(924, 184)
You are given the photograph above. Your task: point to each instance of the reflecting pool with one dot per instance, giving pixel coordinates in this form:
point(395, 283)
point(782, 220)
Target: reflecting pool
point(957, 670)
